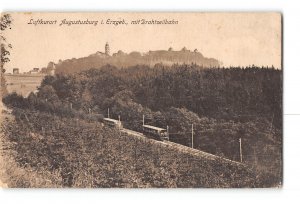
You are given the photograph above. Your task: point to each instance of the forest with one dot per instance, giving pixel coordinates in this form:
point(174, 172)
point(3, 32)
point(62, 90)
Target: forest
point(223, 104)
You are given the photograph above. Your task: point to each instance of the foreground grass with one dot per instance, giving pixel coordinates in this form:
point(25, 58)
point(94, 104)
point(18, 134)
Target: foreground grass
point(48, 151)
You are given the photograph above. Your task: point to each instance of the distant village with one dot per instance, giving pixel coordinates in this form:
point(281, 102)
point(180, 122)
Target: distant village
point(49, 70)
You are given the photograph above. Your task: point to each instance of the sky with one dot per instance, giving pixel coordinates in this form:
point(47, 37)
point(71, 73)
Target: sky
point(236, 39)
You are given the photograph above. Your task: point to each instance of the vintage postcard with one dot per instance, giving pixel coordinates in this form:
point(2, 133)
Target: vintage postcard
point(141, 100)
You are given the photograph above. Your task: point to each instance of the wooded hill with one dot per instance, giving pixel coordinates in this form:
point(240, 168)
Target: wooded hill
point(124, 60)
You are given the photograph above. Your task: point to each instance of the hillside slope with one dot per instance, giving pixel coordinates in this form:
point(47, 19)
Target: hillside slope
point(87, 154)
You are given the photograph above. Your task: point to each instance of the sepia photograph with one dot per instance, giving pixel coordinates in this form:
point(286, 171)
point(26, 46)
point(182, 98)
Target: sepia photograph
point(141, 100)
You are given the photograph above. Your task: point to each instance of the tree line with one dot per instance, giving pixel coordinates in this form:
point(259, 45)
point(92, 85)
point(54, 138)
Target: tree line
point(235, 93)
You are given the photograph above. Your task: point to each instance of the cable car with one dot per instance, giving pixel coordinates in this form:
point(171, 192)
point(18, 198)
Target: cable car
point(112, 123)
point(156, 132)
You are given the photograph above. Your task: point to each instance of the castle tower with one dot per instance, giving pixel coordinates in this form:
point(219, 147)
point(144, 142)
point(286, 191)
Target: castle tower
point(51, 68)
point(107, 50)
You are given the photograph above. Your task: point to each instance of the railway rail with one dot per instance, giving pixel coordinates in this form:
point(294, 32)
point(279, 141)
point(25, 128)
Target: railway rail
point(178, 147)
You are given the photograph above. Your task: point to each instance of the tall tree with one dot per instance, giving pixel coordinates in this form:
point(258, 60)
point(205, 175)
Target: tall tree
point(5, 22)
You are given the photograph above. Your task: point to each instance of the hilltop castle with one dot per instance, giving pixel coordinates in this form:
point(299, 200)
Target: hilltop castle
point(121, 59)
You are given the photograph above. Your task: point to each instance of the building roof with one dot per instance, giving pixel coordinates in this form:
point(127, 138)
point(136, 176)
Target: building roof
point(153, 127)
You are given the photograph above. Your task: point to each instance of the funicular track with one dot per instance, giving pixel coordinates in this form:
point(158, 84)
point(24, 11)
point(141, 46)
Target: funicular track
point(178, 147)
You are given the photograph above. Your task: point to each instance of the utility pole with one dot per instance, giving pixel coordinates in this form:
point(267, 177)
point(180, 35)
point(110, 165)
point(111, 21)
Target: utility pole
point(241, 154)
point(71, 106)
point(255, 158)
point(192, 135)
point(119, 125)
point(271, 123)
point(143, 119)
point(108, 112)
point(168, 133)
